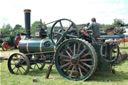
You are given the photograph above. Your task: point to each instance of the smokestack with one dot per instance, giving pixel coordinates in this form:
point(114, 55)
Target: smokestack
point(27, 13)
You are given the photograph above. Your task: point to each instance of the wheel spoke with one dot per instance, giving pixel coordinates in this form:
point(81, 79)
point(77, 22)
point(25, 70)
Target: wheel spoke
point(69, 27)
point(14, 61)
point(85, 60)
point(57, 33)
point(62, 66)
point(61, 25)
point(78, 48)
point(66, 60)
point(89, 66)
point(77, 74)
point(68, 53)
point(80, 72)
point(22, 61)
point(13, 64)
point(19, 70)
point(81, 52)
point(71, 71)
point(69, 48)
point(83, 68)
point(38, 66)
point(34, 66)
point(85, 55)
point(23, 68)
point(68, 68)
point(74, 50)
point(64, 55)
point(13, 68)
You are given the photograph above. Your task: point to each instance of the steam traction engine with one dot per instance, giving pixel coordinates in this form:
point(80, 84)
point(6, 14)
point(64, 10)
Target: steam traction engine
point(11, 41)
point(74, 52)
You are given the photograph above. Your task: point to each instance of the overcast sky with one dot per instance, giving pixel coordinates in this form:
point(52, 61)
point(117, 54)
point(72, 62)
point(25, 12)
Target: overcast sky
point(80, 11)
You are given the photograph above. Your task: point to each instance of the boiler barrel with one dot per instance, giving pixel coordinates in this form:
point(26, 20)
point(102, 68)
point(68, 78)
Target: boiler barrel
point(36, 45)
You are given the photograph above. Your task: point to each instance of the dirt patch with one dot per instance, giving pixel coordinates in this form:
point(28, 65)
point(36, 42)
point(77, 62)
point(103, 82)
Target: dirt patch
point(7, 53)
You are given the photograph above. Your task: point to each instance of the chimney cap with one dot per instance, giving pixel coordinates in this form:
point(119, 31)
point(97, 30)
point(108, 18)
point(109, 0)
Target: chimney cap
point(27, 11)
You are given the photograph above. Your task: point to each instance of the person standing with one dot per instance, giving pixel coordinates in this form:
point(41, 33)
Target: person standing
point(95, 27)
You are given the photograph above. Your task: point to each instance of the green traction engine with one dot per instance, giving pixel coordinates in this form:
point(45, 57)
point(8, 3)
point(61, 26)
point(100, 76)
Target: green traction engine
point(8, 42)
point(75, 53)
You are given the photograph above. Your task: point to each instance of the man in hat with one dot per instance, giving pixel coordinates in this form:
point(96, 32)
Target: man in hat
point(95, 27)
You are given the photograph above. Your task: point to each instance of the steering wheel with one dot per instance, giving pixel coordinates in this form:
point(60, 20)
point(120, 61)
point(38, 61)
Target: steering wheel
point(63, 29)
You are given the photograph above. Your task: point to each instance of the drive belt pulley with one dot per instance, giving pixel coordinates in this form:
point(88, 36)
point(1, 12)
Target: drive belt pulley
point(110, 52)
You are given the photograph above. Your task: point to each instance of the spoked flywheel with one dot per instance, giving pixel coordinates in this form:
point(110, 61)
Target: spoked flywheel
point(18, 63)
point(63, 29)
point(75, 59)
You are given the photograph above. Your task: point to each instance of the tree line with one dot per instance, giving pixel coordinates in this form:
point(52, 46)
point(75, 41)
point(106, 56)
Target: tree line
point(8, 29)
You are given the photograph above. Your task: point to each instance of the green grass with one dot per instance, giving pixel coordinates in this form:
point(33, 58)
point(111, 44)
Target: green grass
point(120, 78)
point(124, 47)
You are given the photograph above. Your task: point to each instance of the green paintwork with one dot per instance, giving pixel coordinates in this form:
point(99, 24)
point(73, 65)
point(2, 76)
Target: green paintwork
point(102, 65)
point(36, 45)
point(8, 39)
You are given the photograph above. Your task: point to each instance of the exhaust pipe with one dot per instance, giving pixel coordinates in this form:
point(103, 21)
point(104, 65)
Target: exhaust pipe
point(27, 13)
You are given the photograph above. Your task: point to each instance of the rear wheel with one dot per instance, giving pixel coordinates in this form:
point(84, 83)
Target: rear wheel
point(75, 59)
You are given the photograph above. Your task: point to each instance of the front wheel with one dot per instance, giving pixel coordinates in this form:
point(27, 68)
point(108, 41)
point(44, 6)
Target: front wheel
point(18, 63)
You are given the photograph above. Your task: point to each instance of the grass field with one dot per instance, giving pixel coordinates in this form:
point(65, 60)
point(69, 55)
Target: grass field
point(120, 78)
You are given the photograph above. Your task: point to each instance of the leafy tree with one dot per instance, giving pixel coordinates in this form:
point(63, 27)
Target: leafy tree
point(18, 28)
point(37, 24)
point(34, 26)
point(117, 22)
point(6, 29)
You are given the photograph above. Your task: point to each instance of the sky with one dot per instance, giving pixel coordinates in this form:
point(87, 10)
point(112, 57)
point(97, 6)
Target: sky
point(79, 11)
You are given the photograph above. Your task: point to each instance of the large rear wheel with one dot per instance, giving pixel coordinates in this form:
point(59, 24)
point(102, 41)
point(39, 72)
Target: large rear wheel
point(75, 59)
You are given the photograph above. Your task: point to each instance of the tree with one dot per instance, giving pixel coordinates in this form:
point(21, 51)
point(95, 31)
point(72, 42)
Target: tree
point(6, 29)
point(34, 26)
point(18, 28)
point(117, 22)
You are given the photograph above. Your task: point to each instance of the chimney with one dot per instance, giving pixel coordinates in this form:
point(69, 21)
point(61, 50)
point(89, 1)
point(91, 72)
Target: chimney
point(27, 13)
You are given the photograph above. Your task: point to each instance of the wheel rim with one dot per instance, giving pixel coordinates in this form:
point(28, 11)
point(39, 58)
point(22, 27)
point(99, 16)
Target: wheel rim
point(72, 67)
point(69, 30)
point(5, 46)
point(18, 64)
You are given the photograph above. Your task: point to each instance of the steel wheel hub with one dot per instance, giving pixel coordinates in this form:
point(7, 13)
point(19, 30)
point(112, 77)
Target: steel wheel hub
point(74, 61)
